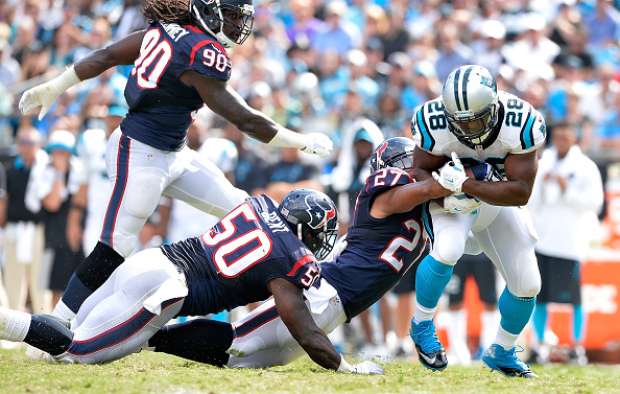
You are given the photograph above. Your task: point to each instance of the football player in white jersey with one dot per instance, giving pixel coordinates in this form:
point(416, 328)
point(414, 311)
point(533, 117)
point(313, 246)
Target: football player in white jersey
point(496, 134)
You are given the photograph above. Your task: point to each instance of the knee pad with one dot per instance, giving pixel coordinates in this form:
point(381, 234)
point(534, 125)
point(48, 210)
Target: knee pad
point(449, 246)
point(523, 280)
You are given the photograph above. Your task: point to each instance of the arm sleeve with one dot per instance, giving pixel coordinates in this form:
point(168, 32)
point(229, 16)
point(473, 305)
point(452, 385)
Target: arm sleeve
point(533, 133)
point(420, 132)
point(208, 58)
point(385, 179)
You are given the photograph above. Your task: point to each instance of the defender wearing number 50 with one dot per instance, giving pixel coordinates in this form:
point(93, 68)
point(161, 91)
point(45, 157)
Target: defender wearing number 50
point(180, 63)
point(496, 135)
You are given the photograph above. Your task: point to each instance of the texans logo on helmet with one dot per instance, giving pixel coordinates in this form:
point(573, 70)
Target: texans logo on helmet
point(379, 152)
point(320, 212)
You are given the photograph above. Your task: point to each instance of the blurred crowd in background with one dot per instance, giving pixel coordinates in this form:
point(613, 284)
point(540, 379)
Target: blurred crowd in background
point(315, 66)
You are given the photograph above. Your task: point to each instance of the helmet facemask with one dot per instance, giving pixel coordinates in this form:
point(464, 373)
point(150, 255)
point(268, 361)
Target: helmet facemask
point(320, 241)
point(230, 24)
point(473, 128)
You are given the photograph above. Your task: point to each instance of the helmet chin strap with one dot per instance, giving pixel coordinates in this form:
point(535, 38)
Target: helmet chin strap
point(299, 231)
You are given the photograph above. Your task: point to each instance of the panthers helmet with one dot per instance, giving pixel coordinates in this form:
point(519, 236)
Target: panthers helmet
point(393, 152)
point(470, 103)
point(313, 217)
point(230, 21)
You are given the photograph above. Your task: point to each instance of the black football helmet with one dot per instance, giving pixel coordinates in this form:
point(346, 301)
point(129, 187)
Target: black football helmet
point(393, 152)
point(314, 218)
point(230, 21)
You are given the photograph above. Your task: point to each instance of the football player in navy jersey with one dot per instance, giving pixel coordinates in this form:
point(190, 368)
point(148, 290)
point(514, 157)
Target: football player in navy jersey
point(258, 250)
point(180, 64)
point(387, 237)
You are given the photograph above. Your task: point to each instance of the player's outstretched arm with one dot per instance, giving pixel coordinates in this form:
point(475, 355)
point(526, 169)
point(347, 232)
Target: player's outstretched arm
point(516, 190)
point(124, 51)
point(295, 315)
point(224, 101)
point(404, 198)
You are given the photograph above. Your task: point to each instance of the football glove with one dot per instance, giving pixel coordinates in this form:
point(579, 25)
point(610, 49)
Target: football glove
point(452, 175)
point(318, 144)
point(363, 368)
point(45, 94)
point(460, 203)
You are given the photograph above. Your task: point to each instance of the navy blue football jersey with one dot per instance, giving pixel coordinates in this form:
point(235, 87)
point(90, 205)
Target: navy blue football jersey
point(379, 251)
point(231, 264)
point(160, 105)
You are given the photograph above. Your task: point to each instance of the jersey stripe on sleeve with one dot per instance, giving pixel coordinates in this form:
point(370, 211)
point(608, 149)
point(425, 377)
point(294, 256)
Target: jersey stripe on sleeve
point(527, 136)
point(427, 141)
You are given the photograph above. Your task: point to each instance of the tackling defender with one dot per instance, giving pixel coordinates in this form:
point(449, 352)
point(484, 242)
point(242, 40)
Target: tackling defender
point(473, 120)
point(180, 64)
point(257, 250)
point(386, 239)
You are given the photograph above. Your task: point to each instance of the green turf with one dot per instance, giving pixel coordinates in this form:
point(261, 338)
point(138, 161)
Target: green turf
point(149, 372)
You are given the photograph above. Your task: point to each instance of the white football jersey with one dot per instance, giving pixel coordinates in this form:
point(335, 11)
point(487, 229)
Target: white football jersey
point(521, 130)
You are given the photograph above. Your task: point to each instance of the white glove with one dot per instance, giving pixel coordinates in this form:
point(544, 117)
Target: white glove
point(45, 94)
point(318, 144)
point(452, 175)
point(363, 368)
point(460, 203)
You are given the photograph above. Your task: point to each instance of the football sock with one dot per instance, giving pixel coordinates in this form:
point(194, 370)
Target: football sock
point(515, 312)
point(49, 334)
point(89, 275)
point(430, 281)
point(540, 322)
point(14, 325)
point(489, 320)
point(199, 339)
point(578, 323)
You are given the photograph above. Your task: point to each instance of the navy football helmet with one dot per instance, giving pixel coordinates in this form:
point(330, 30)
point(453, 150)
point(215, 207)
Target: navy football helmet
point(314, 218)
point(230, 21)
point(393, 152)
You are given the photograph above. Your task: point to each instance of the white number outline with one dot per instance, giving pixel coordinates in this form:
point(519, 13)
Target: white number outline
point(250, 258)
point(381, 175)
point(151, 51)
point(389, 253)
point(214, 58)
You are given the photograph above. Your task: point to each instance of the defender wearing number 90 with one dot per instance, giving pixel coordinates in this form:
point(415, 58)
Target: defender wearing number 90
point(180, 64)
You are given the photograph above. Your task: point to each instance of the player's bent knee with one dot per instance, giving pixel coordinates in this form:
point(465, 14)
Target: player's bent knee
point(529, 289)
point(448, 252)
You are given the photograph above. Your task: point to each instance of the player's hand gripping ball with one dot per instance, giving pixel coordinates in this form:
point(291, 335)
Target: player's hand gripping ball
point(318, 144)
point(452, 175)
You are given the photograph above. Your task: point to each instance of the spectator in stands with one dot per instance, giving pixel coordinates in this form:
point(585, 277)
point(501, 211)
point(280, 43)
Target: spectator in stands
point(604, 24)
point(55, 186)
point(336, 34)
point(453, 53)
point(567, 196)
point(289, 173)
point(608, 133)
point(24, 239)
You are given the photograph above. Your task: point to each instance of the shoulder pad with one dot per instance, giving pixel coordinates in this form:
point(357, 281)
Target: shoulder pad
point(429, 127)
point(524, 128)
point(385, 179)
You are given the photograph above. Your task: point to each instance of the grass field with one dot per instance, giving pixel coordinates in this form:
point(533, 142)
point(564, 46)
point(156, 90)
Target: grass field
point(149, 372)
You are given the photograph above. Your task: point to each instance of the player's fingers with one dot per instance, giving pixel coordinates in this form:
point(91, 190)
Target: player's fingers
point(436, 176)
point(455, 159)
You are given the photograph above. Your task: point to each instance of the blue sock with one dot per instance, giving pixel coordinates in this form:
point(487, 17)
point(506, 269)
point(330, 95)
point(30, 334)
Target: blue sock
point(540, 321)
point(578, 323)
point(515, 311)
point(75, 293)
point(430, 281)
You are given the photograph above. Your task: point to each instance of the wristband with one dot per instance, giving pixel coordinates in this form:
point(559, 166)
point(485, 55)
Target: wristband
point(64, 81)
point(286, 138)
